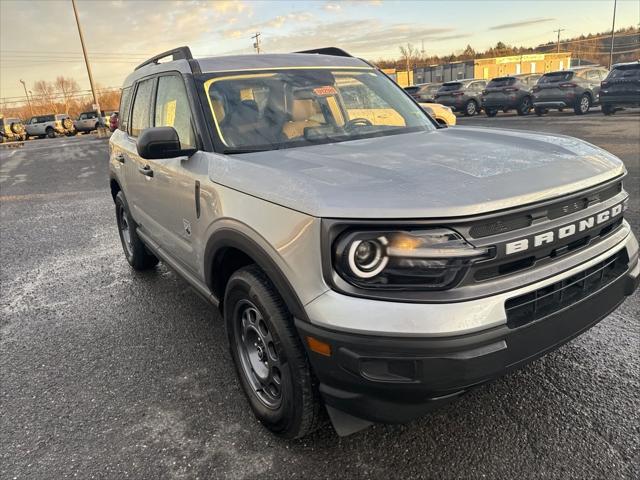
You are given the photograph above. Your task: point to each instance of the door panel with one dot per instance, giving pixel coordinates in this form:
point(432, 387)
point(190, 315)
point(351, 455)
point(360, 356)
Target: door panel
point(169, 196)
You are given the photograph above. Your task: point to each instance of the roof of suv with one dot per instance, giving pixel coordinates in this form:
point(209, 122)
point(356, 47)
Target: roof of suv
point(234, 63)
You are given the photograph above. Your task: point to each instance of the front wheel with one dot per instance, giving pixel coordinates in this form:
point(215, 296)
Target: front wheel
point(271, 363)
point(50, 133)
point(583, 105)
point(470, 108)
point(491, 112)
point(608, 109)
point(134, 250)
point(524, 107)
point(540, 111)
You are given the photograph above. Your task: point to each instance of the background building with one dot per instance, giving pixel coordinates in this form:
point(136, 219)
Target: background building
point(493, 67)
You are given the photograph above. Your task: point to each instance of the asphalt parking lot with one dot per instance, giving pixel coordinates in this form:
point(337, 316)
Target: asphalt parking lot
point(109, 373)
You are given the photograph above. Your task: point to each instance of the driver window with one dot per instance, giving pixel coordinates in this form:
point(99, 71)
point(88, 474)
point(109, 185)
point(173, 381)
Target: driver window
point(173, 110)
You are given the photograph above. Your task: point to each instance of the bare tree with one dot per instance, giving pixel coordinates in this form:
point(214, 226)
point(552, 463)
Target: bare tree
point(67, 88)
point(44, 96)
point(409, 55)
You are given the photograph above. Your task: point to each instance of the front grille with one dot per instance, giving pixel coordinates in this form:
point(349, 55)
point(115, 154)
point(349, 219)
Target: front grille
point(552, 298)
point(513, 266)
point(559, 209)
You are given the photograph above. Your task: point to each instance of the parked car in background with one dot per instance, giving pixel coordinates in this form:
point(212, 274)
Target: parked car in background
point(11, 129)
point(106, 117)
point(577, 88)
point(87, 122)
point(621, 88)
point(443, 115)
point(113, 121)
point(50, 125)
point(424, 93)
point(463, 96)
point(508, 93)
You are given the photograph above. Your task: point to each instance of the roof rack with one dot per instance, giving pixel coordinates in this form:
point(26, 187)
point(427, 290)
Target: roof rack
point(333, 51)
point(180, 53)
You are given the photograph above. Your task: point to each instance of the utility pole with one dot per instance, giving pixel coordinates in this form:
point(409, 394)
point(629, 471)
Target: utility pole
point(613, 34)
point(86, 61)
point(256, 44)
point(24, 85)
point(558, 31)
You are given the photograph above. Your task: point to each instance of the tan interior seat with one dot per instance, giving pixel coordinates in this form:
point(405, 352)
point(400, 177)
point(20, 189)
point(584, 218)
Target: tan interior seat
point(302, 111)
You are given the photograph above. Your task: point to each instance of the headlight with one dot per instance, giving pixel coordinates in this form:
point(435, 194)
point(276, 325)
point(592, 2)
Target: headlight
point(433, 259)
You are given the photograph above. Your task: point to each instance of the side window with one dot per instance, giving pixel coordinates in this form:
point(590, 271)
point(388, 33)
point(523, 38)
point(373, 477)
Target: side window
point(141, 107)
point(125, 103)
point(172, 108)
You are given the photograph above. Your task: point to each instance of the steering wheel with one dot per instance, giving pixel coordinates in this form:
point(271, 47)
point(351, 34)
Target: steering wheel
point(355, 122)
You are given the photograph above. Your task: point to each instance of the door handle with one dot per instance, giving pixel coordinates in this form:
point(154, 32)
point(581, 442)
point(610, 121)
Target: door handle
point(146, 171)
point(120, 157)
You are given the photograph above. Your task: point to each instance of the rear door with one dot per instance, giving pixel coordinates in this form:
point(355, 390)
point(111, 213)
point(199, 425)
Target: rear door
point(170, 195)
point(136, 174)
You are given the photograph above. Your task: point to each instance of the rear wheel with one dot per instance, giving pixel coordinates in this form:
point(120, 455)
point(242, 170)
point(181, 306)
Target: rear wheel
point(50, 132)
point(470, 108)
point(524, 107)
point(491, 112)
point(608, 109)
point(583, 104)
point(271, 363)
point(540, 111)
point(134, 250)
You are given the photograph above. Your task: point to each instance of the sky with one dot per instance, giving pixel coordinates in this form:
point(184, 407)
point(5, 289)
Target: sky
point(39, 39)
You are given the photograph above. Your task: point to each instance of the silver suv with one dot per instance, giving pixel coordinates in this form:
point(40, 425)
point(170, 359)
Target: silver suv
point(364, 264)
point(49, 126)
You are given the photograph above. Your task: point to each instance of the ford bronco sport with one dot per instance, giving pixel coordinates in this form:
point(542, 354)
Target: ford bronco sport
point(362, 261)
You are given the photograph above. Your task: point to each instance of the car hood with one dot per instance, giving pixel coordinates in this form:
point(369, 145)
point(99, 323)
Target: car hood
point(442, 173)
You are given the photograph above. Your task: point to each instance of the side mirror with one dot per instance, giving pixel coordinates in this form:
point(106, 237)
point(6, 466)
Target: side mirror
point(160, 142)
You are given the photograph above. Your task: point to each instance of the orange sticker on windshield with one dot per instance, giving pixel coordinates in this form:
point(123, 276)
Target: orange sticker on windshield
point(325, 91)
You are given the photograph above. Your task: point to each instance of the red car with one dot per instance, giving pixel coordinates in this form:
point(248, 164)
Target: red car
point(113, 121)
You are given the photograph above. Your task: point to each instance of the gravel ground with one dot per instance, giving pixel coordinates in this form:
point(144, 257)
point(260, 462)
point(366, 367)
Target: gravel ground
point(109, 373)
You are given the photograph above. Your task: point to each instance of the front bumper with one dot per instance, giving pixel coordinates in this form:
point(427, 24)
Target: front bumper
point(395, 379)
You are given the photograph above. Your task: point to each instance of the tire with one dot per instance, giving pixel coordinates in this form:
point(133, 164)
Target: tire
point(491, 112)
point(540, 111)
point(270, 361)
point(134, 250)
point(50, 132)
point(608, 109)
point(524, 107)
point(470, 108)
point(17, 128)
point(583, 104)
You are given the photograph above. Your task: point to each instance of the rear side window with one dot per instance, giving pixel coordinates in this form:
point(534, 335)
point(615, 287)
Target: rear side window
point(172, 109)
point(141, 107)
point(593, 76)
point(555, 77)
point(501, 82)
point(125, 104)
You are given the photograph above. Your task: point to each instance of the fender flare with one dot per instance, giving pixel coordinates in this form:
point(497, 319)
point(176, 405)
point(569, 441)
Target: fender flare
point(229, 237)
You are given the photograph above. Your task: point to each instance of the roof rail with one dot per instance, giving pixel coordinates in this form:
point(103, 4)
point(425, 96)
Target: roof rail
point(334, 51)
point(180, 53)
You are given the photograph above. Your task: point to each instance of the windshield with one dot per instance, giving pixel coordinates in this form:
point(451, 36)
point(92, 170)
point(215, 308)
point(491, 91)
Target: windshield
point(555, 77)
point(501, 82)
point(449, 87)
point(307, 106)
